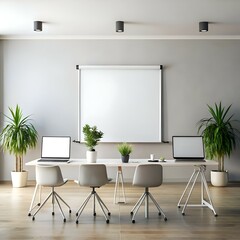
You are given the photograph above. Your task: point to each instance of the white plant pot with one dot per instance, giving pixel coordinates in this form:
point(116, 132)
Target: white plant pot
point(19, 179)
point(219, 179)
point(91, 156)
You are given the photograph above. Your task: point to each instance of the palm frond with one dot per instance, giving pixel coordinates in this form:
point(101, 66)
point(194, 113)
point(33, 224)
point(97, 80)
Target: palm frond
point(218, 133)
point(18, 135)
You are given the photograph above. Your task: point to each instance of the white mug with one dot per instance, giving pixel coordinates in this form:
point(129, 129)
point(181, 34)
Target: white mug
point(152, 156)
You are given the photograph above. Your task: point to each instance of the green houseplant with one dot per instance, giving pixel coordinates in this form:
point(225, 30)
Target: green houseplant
point(91, 137)
point(16, 137)
point(125, 149)
point(219, 138)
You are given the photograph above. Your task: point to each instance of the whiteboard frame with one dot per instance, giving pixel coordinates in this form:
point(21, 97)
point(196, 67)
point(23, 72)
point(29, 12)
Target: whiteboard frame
point(124, 67)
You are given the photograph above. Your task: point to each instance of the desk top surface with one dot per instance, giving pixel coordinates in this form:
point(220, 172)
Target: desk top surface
point(132, 162)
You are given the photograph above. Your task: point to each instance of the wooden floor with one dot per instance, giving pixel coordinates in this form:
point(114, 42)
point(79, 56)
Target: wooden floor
point(198, 223)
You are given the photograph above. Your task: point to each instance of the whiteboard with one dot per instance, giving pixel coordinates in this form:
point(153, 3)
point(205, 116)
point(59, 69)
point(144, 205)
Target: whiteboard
point(124, 102)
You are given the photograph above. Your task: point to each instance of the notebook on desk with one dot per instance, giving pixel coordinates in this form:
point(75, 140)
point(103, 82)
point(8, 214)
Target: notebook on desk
point(188, 148)
point(55, 149)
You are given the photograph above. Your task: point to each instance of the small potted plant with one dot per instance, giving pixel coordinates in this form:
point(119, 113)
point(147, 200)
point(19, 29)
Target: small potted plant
point(125, 149)
point(219, 138)
point(91, 137)
point(16, 137)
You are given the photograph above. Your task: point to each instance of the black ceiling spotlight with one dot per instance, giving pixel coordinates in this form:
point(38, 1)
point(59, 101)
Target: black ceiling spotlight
point(37, 26)
point(203, 26)
point(119, 26)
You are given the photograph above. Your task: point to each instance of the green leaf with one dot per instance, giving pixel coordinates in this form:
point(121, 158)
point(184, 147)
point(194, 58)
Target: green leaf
point(18, 135)
point(91, 136)
point(218, 133)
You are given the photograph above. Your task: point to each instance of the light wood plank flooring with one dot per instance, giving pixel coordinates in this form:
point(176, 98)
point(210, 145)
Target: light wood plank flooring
point(198, 223)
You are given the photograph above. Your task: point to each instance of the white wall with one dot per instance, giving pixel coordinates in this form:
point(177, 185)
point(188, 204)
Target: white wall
point(40, 76)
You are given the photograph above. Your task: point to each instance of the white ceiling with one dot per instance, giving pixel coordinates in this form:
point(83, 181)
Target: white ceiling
point(144, 19)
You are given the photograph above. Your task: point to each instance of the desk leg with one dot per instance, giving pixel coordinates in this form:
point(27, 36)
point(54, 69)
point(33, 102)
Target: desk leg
point(190, 192)
point(119, 179)
point(190, 180)
point(204, 202)
point(37, 188)
point(199, 170)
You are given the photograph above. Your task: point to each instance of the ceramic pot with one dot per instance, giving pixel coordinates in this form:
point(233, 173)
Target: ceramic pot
point(91, 156)
point(19, 179)
point(218, 178)
point(125, 159)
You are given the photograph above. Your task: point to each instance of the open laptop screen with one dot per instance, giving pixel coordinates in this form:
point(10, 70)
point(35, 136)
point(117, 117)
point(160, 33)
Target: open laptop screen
point(188, 147)
point(56, 147)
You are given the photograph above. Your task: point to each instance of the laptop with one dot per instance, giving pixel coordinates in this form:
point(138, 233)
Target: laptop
point(188, 148)
point(55, 149)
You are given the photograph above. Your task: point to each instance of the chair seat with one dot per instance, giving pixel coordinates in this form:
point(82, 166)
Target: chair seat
point(51, 176)
point(93, 176)
point(59, 184)
point(148, 175)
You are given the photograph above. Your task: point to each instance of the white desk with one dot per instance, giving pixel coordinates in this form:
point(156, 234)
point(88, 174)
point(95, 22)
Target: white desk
point(199, 171)
point(131, 163)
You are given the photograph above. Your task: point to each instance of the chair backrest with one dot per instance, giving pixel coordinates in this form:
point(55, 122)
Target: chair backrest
point(93, 175)
point(47, 175)
point(148, 175)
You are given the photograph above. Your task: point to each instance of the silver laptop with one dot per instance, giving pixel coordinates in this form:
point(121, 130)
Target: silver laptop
point(55, 148)
point(188, 148)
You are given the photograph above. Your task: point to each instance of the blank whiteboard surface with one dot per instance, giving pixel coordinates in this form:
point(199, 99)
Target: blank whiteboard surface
point(188, 147)
point(123, 103)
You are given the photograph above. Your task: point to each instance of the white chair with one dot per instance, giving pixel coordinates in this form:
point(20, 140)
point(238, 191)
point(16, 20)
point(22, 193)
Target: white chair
point(93, 176)
point(147, 175)
point(51, 176)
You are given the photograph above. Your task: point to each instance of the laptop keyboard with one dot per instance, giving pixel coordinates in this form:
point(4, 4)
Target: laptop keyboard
point(53, 160)
point(190, 160)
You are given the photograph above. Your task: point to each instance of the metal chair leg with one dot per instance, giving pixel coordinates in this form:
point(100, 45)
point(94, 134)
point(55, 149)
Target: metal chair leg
point(59, 206)
point(79, 211)
point(133, 209)
point(158, 206)
point(63, 202)
point(56, 197)
point(137, 207)
point(145, 196)
point(100, 202)
point(37, 188)
point(49, 195)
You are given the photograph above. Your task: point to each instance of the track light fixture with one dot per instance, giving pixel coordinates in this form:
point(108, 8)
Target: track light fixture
point(203, 26)
point(119, 26)
point(37, 26)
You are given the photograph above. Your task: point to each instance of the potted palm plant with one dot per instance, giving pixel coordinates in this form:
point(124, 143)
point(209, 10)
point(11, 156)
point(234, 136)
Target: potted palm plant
point(16, 137)
point(91, 137)
point(219, 138)
point(125, 149)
